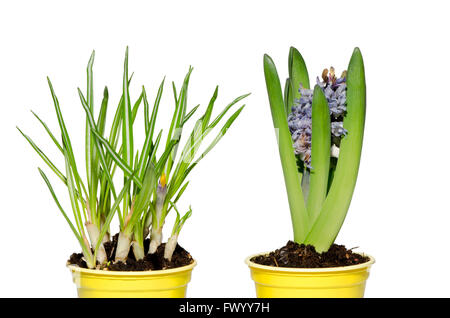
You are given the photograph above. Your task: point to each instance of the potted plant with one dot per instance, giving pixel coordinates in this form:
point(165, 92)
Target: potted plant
point(320, 134)
point(150, 182)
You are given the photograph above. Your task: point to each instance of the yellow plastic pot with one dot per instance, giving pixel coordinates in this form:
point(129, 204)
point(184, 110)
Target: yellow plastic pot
point(168, 283)
point(333, 282)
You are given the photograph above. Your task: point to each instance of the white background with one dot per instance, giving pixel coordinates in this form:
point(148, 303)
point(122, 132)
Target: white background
point(400, 211)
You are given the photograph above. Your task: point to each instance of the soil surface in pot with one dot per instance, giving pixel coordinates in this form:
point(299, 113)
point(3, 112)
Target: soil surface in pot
point(154, 261)
point(305, 256)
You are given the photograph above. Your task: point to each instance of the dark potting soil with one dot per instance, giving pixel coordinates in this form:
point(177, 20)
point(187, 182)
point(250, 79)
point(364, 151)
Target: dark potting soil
point(154, 261)
point(305, 256)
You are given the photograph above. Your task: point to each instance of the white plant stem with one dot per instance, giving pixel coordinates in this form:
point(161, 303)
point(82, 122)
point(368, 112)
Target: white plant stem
point(123, 247)
point(89, 263)
point(94, 235)
point(147, 224)
point(170, 246)
point(106, 238)
point(138, 250)
point(155, 239)
point(156, 235)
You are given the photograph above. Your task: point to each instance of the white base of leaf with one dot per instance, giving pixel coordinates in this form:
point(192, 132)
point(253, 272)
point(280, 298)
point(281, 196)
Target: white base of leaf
point(106, 238)
point(155, 240)
point(170, 247)
point(94, 234)
point(138, 250)
point(87, 255)
point(148, 223)
point(146, 232)
point(90, 263)
point(123, 247)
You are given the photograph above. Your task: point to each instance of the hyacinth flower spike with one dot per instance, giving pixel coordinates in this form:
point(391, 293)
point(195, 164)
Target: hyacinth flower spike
point(320, 135)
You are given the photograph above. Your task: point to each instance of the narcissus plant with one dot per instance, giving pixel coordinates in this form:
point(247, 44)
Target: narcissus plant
point(153, 177)
point(320, 134)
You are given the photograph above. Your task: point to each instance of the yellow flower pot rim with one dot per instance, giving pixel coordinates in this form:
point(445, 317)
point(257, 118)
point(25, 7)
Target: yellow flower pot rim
point(133, 273)
point(308, 270)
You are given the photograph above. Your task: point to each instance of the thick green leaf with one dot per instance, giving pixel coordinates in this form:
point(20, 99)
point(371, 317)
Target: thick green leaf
point(320, 153)
point(292, 177)
point(288, 99)
point(335, 207)
point(298, 74)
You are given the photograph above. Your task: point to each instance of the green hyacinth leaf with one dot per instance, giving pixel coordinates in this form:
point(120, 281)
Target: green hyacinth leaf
point(320, 153)
point(292, 177)
point(335, 207)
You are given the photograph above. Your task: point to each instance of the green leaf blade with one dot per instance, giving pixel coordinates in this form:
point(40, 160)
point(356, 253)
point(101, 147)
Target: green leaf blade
point(67, 145)
point(320, 153)
point(292, 177)
point(288, 99)
point(298, 74)
point(91, 156)
point(336, 205)
point(86, 249)
point(127, 131)
point(49, 132)
point(143, 198)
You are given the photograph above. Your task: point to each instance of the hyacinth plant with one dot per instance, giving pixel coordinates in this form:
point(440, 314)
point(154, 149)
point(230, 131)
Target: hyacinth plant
point(320, 133)
point(152, 183)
